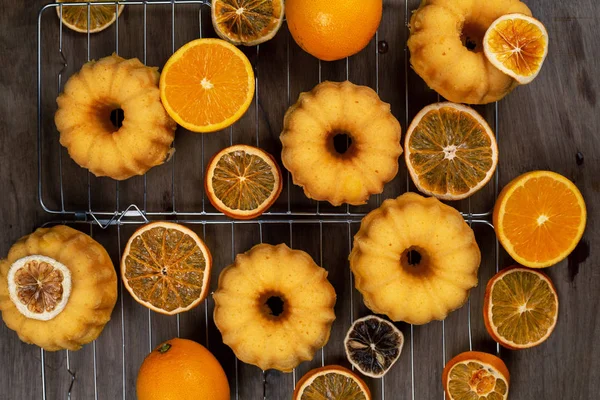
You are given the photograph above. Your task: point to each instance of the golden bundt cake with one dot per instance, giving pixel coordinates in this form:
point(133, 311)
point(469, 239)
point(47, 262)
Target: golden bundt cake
point(84, 118)
point(414, 259)
point(339, 175)
point(58, 288)
point(446, 48)
point(274, 307)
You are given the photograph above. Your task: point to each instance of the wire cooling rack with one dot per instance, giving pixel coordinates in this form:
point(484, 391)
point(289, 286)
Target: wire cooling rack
point(82, 213)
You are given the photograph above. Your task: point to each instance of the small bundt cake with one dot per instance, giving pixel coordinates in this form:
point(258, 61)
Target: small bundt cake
point(88, 125)
point(446, 48)
point(274, 307)
point(414, 259)
point(326, 168)
point(58, 288)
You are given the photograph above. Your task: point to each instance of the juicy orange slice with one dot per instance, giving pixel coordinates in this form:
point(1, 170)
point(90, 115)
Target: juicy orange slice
point(517, 45)
point(450, 151)
point(520, 308)
point(101, 16)
point(207, 85)
point(166, 267)
point(539, 218)
point(475, 375)
point(331, 382)
point(242, 181)
point(247, 22)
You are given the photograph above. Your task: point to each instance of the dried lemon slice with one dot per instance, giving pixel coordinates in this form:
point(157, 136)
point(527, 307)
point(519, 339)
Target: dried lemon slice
point(373, 345)
point(39, 286)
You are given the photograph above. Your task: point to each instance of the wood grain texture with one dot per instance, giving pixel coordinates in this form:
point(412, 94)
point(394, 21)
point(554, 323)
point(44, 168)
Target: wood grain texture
point(540, 126)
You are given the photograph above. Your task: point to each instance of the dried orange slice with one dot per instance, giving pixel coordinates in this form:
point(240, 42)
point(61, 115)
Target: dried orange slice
point(242, 181)
point(475, 375)
point(207, 85)
point(517, 45)
point(247, 22)
point(520, 308)
point(539, 218)
point(450, 151)
point(166, 267)
point(101, 16)
point(331, 382)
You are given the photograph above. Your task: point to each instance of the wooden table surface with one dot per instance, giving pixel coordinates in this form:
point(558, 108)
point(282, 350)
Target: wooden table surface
point(552, 124)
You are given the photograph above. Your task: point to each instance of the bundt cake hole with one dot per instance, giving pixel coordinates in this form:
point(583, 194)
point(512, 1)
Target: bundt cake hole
point(341, 143)
point(415, 261)
point(472, 36)
point(273, 305)
point(116, 117)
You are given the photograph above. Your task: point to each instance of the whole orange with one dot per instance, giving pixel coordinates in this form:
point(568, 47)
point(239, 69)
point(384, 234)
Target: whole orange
point(180, 369)
point(334, 29)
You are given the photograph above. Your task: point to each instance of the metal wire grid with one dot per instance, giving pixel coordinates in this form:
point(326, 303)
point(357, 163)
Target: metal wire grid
point(105, 217)
point(139, 215)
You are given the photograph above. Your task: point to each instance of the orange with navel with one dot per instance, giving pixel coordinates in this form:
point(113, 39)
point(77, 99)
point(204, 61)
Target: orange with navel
point(180, 369)
point(334, 29)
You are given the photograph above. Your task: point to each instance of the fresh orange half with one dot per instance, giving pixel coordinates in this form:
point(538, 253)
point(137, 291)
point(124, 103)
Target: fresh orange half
point(476, 375)
point(242, 181)
point(450, 151)
point(520, 308)
point(100, 18)
point(331, 382)
point(166, 267)
point(207, 85)
point(517, 45)
point(539, 218)
point(247, 22)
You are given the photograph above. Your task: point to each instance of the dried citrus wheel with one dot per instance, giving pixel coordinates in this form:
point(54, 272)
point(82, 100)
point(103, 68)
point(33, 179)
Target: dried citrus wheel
point(39, 286)
point(475, 375)
point(166, 267)
point(76, 17)
point(450, 151)
point(539, 218)
point(373, 345)
point(331, 382)
point(517, 45)
point(207, 85)
point(242, 181)
point(247, 22)
point(520, 308)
